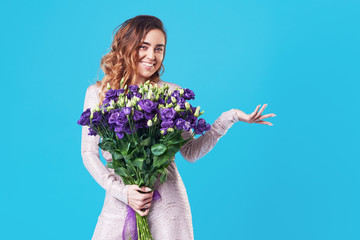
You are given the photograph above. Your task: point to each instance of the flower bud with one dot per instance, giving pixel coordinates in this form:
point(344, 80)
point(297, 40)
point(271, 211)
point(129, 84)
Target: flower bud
point(125, 87)
point(146, 87)
point(121, 81)
point(169, 105)
point(97, 109)
point(181, 91)
point(91, 115)
point(128, 104)
point(157, 97)
point(138, 106)
point(187, 105)
point(162, 132)
point(177, 108)
point(170, 129)
point(149, 123)
point(122, 102)
point(161, 106)
point(173, 99)
point(108, 86)
point(149, 95)
point(169, 93)
point(202, 112)
point(196, 114)
point(155, 118)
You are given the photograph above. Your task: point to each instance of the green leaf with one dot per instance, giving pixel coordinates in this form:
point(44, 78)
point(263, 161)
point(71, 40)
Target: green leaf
point(128, 157)
point(107, 145)
point(160, 160)
point(163, 178)
point(122, 172)
point(110, 165)
point(146, 142)
point(158, 149)
point(123, 147)
point(117, 156)
point(152, 180)
point(173, 149)
point(138, 162)
point(175, 140)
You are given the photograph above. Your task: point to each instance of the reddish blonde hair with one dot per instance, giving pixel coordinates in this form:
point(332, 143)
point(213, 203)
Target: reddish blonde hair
point(123, 57)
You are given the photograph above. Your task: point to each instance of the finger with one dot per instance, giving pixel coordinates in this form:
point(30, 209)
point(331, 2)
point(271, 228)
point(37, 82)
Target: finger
point(144, 196)
point(144, 189)
point(254, 112)
point(146, 205)
point(267, 123)
point(261, 110)
point(266, 116)
point(143, 213)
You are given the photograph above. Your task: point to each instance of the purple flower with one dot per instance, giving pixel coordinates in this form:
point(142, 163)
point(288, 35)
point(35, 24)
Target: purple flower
point(149, 115)
point(202, 126)
point(138, 115)
point(176, 94)
point(96, 118)
point(182, 124)
point(141, 124)
point(161, 101)
point(167, 124)
point(192, 120)
point(92, 132)
point(147, 105)
point(118, 117)
point(181, 102)
point(119, 128)
point(85, 118)
point(120, 135)
point(167, 114)
point(133, 88)
point(126, 110)
point(112, 94)
point(188, 94)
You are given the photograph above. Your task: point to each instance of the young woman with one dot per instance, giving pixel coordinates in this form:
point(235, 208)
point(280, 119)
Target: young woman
point(137, 53)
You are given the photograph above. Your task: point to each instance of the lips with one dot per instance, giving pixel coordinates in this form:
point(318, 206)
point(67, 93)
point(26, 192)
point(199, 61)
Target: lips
point(147, 65)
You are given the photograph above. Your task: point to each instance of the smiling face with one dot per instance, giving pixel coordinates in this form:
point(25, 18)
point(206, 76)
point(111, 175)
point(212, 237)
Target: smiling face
point(151, 55)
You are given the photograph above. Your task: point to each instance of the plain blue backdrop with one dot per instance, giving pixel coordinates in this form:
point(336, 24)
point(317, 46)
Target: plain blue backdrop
point(296, 180)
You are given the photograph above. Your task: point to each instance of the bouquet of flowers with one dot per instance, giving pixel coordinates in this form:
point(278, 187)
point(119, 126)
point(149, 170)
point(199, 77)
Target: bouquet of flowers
point(141, 127)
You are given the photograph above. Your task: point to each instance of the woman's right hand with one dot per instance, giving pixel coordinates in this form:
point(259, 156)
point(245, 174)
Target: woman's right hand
point(140, 199)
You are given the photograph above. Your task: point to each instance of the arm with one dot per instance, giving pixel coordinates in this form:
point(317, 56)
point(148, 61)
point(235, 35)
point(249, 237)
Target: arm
point(197, 148)
point(91, 158)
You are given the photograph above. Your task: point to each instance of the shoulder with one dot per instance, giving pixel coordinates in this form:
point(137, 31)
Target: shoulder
point(93, 91)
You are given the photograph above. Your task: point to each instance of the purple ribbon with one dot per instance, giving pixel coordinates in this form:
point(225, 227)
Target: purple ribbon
point(130, 228)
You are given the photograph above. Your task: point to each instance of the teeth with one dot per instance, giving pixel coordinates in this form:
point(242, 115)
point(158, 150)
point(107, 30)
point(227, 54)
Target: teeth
point(147, 64)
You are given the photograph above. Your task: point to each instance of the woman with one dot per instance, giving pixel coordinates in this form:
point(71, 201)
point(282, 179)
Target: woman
point(137, 53)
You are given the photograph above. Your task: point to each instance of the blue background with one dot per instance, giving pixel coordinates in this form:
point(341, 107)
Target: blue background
point(298, 179)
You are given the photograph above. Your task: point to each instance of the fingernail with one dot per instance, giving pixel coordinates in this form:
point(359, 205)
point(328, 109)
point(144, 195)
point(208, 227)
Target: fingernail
point(148, 189)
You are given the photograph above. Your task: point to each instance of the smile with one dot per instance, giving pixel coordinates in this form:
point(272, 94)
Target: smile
point(147, 65)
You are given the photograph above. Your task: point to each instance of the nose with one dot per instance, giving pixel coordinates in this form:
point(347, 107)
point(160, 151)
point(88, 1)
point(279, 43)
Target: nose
point(150, 55)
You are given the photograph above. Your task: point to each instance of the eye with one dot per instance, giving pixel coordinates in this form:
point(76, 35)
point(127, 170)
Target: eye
point(158, 49)
point(143, 47)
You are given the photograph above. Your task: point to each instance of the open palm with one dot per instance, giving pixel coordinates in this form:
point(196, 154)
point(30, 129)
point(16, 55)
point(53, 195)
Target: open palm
point(254, 117)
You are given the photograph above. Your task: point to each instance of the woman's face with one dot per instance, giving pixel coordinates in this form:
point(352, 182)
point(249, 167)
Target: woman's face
point(151, 54)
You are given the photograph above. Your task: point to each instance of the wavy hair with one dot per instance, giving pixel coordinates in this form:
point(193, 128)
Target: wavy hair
point(123, 57)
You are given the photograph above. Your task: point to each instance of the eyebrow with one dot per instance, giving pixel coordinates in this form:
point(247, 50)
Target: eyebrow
point(157, 45)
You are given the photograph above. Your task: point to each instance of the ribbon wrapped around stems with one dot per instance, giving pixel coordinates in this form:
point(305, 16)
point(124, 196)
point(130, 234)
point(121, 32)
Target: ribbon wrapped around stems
point(130, 227)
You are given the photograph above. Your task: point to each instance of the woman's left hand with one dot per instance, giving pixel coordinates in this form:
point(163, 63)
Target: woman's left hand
point(254, 117)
